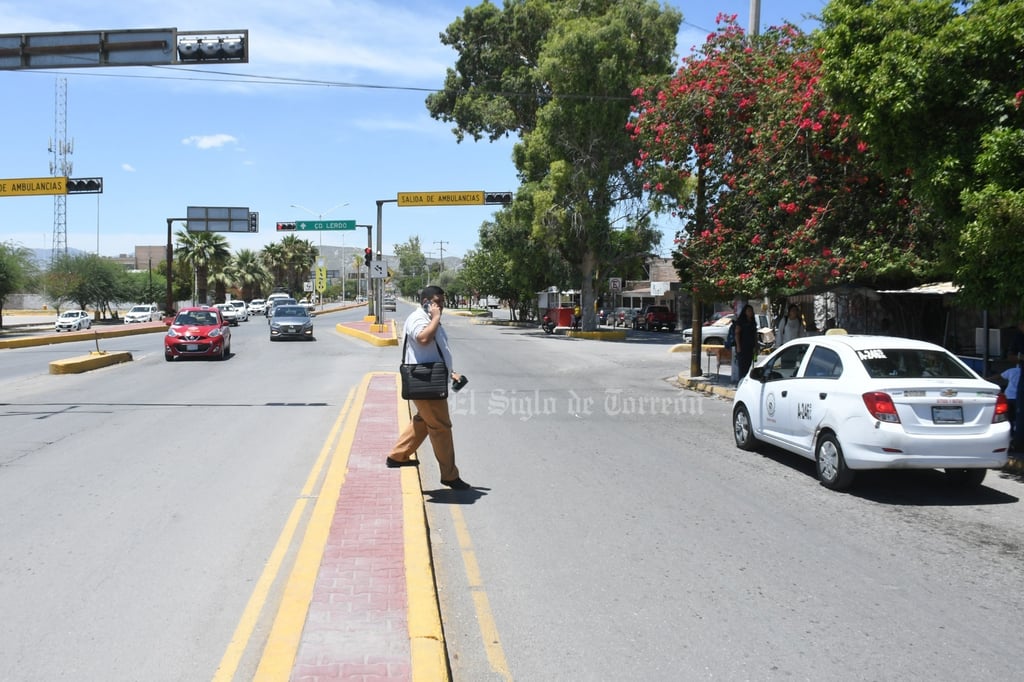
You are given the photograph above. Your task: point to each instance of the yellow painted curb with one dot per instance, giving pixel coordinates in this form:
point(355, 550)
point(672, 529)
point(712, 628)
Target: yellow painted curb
point(597, 336)
point(370, 338)
point(85, 363)
point(426, 635)
point(687, 347)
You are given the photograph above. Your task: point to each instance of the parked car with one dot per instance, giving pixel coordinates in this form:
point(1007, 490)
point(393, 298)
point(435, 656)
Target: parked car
point(715, 333)
point(655, 318)
point(142, 313)
point(72, 321)
point(241, 309)
point(198, 331)
point(291, 322)
point(228, 312)
point(257, 306)
point(623, 317)
point(851, 403)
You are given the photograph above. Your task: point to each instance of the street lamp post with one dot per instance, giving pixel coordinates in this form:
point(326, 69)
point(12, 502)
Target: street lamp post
point(320, 216)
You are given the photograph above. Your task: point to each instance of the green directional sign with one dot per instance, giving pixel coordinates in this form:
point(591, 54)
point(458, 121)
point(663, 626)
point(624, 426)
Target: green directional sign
point(317, 225)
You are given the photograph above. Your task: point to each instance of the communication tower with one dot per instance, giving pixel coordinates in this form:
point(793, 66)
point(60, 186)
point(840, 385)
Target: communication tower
point(60, 166)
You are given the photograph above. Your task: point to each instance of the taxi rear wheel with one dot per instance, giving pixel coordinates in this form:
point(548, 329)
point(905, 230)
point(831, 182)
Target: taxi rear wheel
point(832, 470)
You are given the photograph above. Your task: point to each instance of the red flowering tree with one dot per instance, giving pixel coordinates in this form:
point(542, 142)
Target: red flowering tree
point(786, 195)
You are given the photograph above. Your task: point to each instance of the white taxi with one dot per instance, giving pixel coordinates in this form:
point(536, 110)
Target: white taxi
point(853, 402)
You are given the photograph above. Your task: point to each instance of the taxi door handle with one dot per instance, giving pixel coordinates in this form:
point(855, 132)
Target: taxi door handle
point(823, 395)
point(784, 393)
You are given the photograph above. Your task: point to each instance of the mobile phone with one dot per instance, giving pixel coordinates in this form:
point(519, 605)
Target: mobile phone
point(426, 308)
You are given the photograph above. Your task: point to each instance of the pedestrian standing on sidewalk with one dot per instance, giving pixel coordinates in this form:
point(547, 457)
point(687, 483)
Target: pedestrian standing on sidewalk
point(790, 327)
point(746, 340)
point(428, 342)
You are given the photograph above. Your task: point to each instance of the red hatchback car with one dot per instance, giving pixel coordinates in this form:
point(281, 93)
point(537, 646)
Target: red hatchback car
point(199, 332)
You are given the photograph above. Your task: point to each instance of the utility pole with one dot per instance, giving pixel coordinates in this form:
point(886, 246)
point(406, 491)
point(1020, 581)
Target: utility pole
point(440, 245)
point(755, 18)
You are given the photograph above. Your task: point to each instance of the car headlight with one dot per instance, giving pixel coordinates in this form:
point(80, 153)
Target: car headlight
point(215, 333)
point(172, 333)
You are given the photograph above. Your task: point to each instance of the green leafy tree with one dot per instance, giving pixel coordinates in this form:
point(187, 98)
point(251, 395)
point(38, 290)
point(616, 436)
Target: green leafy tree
point(88, 281)
point(558, 74)
point(412, 265)
point(936, 87)
point(16, 270)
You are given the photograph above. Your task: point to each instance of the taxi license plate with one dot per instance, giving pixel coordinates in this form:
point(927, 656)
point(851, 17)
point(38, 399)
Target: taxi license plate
point(191, 346)
point(947, 414)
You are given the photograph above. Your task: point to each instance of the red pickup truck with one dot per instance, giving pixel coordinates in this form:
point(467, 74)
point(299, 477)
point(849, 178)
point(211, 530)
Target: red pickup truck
point(656, 317)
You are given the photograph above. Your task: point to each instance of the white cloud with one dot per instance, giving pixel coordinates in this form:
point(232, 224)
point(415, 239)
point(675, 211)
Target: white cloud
point(209, 141)
point(127, 167)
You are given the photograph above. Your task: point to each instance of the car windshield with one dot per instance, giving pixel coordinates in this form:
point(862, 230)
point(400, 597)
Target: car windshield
point(139, 309)
point(197, 318)
point(911, 363)
point(290, 311)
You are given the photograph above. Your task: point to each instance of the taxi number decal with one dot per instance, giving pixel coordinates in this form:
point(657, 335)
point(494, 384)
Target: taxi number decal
point(871, 354)
point(803, 410)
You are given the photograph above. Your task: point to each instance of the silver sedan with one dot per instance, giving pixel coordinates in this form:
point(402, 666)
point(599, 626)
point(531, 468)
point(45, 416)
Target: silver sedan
point(290, 322)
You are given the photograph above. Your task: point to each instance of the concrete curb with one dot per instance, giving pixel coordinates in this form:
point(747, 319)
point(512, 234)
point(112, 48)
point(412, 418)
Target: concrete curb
point(85, 334)
point(85, 363)
point(426, 632)
point(369, 337)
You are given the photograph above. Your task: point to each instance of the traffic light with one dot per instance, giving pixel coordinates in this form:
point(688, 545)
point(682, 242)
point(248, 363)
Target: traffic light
point(285, 227)
point(497, 197)
point(369, 256)
point(254, 221)
point(85, 186)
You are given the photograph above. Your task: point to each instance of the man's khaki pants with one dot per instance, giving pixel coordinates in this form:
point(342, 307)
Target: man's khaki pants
point(431, 419)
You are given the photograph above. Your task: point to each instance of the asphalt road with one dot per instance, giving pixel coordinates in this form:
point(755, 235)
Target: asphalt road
point(616, 532)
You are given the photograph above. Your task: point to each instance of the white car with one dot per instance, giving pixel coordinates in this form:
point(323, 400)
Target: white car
point(72, 321)
point(240, 309)
point(228, 312)
point(873, 402)
point(257, 306)
point(142, 313)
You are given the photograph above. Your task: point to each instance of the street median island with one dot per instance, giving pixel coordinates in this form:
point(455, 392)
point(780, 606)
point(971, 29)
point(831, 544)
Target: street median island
point(86, 363)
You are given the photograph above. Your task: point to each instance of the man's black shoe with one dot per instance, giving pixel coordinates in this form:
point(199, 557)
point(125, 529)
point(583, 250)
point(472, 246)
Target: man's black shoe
point(457, 484)
point(394, 463)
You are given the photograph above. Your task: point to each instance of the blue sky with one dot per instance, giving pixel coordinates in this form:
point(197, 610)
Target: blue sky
point(165, 138)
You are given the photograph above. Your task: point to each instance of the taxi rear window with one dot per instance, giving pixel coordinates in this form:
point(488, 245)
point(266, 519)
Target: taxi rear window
point(912, 363)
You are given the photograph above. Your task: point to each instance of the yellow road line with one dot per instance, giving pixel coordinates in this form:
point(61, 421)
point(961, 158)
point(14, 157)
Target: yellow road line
point(247, 623)
point(484, 617)
point(286, 634)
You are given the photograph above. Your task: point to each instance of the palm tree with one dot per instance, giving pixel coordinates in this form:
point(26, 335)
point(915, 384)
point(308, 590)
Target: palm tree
point(202, 251)
point(299, 256)
point(250, 275)
point(273, 259)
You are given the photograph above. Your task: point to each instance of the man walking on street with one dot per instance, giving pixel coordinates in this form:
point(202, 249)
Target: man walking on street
point(428, 342)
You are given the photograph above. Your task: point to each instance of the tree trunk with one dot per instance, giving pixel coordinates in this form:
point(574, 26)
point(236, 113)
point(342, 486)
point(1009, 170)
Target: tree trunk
point(587, 266)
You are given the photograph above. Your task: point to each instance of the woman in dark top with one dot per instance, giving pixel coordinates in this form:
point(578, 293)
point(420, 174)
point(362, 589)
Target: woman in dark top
point(746, 339)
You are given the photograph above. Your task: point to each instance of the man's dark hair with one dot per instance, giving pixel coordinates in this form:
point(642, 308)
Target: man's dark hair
point(430, 292)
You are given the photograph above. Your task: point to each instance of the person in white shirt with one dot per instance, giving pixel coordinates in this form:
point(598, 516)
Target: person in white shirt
point(790, 327)
point(428, 342)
